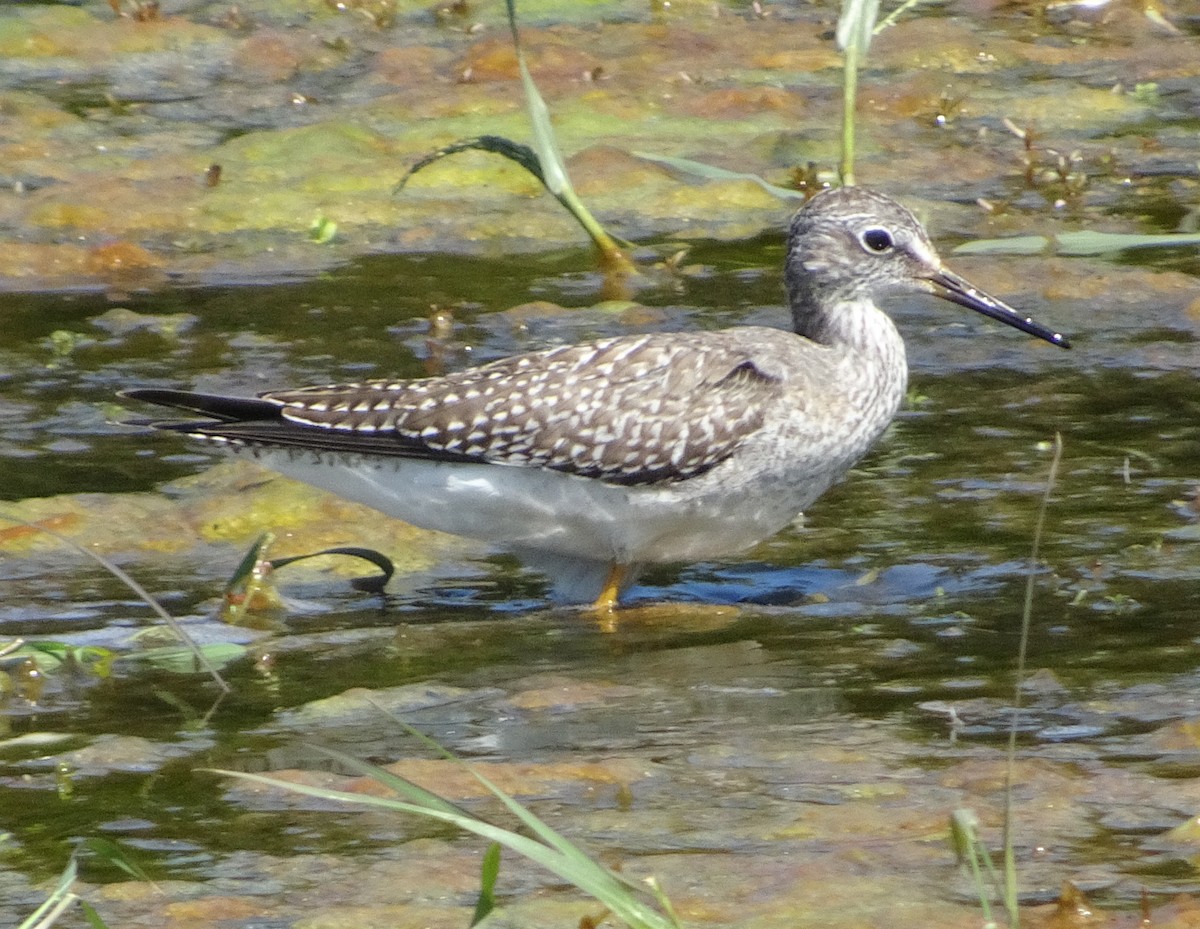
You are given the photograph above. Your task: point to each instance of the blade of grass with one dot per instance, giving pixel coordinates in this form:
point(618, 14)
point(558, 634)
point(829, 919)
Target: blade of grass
point(712, 172)
point(373, 584)
point(489, 871)
point(1010, 867)
point(570, 853)
point(523, 155)
point(594, 879)
point(554, 168)
point(56, 903)
point(535, 825)
point(141, 592)
point(967, 847)
point(117, 856)
point(94, 919)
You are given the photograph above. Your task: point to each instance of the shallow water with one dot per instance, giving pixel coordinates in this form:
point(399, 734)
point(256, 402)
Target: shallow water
point(852, 634)
point(779, 737)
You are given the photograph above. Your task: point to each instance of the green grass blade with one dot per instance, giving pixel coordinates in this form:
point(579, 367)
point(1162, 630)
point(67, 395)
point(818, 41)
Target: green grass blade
point(892, 17)
point(712, 172)
point(663, 901)
point(417, 794)
point(373, 584)
point(57, 902)
point(967, 847)
point(89, 913)
point(545, 143)
point(554, 168)
point(402, 785)
point(489, 871)
point(116, 856)
point(523, 155)
point(139, 590)
point(531, 822)
point(245, 568)
point(591, 878)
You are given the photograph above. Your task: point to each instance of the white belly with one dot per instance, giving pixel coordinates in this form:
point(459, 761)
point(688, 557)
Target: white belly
point(538, 510)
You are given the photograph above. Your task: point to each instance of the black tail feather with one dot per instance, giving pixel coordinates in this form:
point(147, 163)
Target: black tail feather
point(218, 407)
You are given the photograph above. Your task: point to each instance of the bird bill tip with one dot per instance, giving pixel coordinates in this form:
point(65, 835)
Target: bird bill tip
point(950, 286)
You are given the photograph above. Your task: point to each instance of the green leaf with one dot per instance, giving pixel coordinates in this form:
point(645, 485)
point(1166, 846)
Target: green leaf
point(183, 660)
point(544, 161)
point(244, 571)
point(322, 230)
point(116, 856)
point(523, 155)
point(554, 169)
point(93, 918)
point(1082, 243)
point(488, 872)
point(576, 868)
point(50, 655)
point(712, 172)
point(56, 903)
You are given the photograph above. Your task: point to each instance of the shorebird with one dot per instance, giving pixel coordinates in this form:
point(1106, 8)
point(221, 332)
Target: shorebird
point(591, 460)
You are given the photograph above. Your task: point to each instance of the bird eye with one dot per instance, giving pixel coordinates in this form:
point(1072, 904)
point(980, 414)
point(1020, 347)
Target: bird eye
point(877, 240)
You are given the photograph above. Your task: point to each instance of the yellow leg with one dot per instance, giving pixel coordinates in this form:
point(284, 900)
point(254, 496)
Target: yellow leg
point(606, 604)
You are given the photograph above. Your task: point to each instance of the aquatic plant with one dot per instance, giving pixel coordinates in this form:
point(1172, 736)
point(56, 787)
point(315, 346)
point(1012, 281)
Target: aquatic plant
point(197, 654)
point(543, 160)
point(964, 824)
point(624, 898)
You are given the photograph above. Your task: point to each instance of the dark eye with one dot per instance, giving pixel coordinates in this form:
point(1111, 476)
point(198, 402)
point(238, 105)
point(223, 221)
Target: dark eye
point(877, 240)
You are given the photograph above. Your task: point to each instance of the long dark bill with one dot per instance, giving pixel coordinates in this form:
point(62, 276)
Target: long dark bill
point(949, 286)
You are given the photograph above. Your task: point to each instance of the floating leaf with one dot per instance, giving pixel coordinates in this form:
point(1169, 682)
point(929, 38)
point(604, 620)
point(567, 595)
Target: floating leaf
point(1082, 243)
point(50, 656)
point(184, 660)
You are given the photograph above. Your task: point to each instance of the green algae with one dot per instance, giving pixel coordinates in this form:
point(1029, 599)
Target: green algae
point(72, 32)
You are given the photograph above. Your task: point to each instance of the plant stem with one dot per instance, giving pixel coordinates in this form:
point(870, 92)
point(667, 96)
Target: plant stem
point(849, 102)
point(1010, 867)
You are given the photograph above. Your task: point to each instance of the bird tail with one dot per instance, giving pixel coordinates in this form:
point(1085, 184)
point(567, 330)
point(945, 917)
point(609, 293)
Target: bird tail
point(215, 406)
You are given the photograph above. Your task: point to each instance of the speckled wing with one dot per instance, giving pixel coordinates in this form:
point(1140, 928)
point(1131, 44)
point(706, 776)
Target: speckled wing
point(629, 410)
